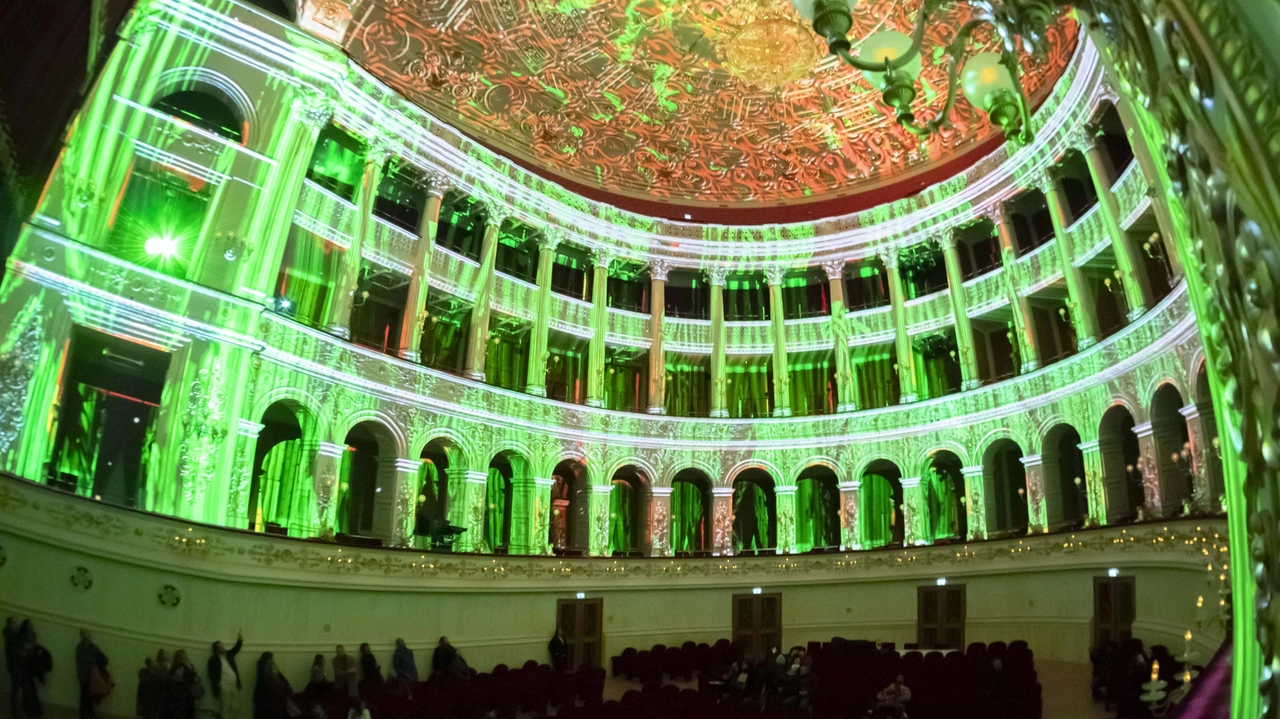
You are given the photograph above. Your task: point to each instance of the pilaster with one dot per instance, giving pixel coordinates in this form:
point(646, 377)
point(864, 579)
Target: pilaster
point(975, 505)
point(247, 432)
point(846, 388)
point(781, 370)
point(785, 507)
point(1094, 484)
point(325, 467)
point(405, 493)
point(915, 513)
point(905, 366)
point(468, 511)
point(1149, 466)
point(1202, 499)
point(599, 545)
point(850, 529)
point(660, 522)
point(1037, 511)
point(722, 521)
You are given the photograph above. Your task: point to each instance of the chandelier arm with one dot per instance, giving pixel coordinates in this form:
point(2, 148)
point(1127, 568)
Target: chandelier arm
point(1010, 60)
point(956, 53)
point(917, 40)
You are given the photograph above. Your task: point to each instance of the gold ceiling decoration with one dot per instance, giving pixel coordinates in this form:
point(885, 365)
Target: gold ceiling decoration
point(765, 43)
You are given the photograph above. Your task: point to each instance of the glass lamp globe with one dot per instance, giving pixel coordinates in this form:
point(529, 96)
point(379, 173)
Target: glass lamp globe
point(983, 78)
point(807, 8)
point(887, 45)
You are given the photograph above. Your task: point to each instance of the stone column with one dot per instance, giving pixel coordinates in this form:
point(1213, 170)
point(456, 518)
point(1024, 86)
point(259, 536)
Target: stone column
point(348, 282)
point(326, 465)
point(660, 522)
point(599, 326)
point(1150, 166)
point(850, 529)
point(523, 515)
point(846, 388)
point(1084, 317)
point(1095, 489)
point(1202, 499)
point(272, 216)
point(657, 353)
point(548, 240)
point(1137, 290)
point(784, 499)
point(242, 473)
point(405, 494)
point(719, 403)
point(778, 327)
point(906, 356)
point(721, 521)
point(975, 504)
point(970, 378)
point(1024, 325)
point(478, 337)
point(599, 543)
point(540, 536)
point(915, 514)
point(415, 309)
point(1037, 512)
point(1149, 465)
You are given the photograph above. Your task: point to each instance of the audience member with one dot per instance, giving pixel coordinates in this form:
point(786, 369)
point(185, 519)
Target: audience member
point(892, 700)
point(224, 678)
point(181, 690)
point(370, 671)
point(272, 695)
point(346, 677)
point(319, 688)
point(34, 664)
point(91, 672)
point(13, 662)
point(559, 651)
point(146, 699)
point(444, 658)
point(403, 666)
point(359, 711)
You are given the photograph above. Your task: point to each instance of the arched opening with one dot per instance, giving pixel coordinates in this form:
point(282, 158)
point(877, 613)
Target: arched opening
point(755, 512)
point(629, 513)
point(436, 497)
point(1121, 477)
point(366, 492)
point(499, 497)
point(1173, 449)
point(1005, 481)
point(817, 509)
point(1066, 495)
point(204, 110)
point(282, 9)
point(570, 526)
point(690, 513)
point(281, 495)
point(944, 495)
point(881, 511)
point(1210, 453)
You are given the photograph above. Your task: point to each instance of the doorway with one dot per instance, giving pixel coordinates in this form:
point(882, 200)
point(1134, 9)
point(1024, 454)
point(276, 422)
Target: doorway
point(1114, 606)
point(580, 621)
point(757, 623)
point(940, 616)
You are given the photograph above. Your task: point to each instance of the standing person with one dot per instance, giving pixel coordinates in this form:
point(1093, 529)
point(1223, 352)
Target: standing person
point(13, 662)
point(181, 689)
point(224, 678)
point(345, 674)
point(318, 686)
point(370, 672)
point(443, 658)
point(272, 695)
point(146, 698)
point(403, 665)
point(558, 648)
point(91, 671)
point(34, 663)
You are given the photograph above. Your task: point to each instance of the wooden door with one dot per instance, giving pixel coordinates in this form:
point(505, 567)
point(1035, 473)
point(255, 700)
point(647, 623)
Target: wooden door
point(757, 623)
point(1114, 607)
point(581, 620)
point(940, 617)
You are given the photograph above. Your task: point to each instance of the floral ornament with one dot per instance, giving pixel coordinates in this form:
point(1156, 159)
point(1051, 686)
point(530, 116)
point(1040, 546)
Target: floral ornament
point(81, 579)
point(169, 596)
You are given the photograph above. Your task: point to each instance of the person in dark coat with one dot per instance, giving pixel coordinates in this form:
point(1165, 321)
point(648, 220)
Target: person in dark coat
point(91, 671)
point(224, 678)
point(181, 690)
point(370, 672)
point(13, 662)
point(443, 658)
point(148, 695)
point(272, 693)
point(403, 666)
point(558, 648)
point(33, 665)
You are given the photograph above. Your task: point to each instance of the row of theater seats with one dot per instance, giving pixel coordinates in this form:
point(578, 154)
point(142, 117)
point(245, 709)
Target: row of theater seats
point(675, 662)
point(533, 688)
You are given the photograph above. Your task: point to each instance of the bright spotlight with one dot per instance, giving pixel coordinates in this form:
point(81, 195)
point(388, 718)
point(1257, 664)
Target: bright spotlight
point(161, 246)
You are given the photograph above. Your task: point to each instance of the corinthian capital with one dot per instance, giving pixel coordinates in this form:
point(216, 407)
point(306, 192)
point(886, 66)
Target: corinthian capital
point(603, 256)
point(889, 256)
point(834, 269)
point(659, 269)
point(550, 238)
point(717, 275)
point(775, 275)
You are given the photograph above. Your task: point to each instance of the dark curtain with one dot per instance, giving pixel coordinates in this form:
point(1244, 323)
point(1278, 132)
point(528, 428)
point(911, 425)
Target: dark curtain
point(813, 384)
point(879, 515)
point(688, 387)
point(747, 391)
point(687, 511)
point(873, 373)
point(750, 518)
point(817, 514)
point(622, 502)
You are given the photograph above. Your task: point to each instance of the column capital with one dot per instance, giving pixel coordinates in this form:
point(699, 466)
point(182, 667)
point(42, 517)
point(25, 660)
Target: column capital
point(315, 109)
point(722, 491)
point(834, 269)
point(717, 275)
point(438, 183)
point(662, 491)
point(775, 274)
point(853, 486)
point(889, 256)
point(1088, 447)
point(784, 490)
point(249, 428)
point(380, 150)
point(329, 449)
point(549, 238)
point(603, 256)
point(1031, 460)
point(1082, 138)
point(1143, 430)
point(945, 239)
point(1046, 183)
point(1107, 92)
point(973, 470)
point(602, 488)
point(1190, 412)
point(659, 269)
point(910, 482)
point(494, 211)
point(476, 476)
point(544, 482)
point(993, 212)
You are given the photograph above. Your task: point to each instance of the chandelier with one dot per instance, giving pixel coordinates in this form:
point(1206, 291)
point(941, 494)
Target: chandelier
point(890, 60)
point(764, 43)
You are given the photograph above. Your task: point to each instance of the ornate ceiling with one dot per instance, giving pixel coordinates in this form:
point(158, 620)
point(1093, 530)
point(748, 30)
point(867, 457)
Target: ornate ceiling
point(638, 99)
